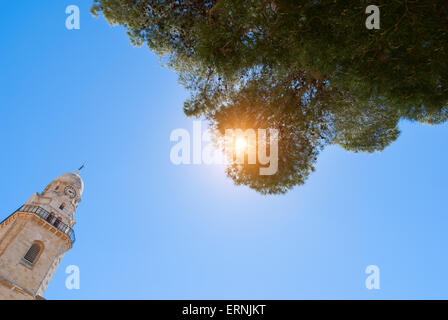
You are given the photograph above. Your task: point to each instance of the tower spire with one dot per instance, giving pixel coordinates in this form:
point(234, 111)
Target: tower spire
point(80, 168)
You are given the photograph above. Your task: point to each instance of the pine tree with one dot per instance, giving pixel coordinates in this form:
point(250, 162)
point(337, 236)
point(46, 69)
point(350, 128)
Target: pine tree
point(308, 68)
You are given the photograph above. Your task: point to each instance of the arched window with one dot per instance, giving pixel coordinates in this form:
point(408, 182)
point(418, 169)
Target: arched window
point(33, 253)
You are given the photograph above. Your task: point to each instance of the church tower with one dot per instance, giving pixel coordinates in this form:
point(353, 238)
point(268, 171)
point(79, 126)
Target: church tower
point(34, 239)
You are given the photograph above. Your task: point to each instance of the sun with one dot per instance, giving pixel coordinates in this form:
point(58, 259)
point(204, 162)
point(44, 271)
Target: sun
point(240, 144)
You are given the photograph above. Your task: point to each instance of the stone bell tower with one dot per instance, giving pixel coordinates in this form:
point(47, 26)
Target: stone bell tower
point(34, 239)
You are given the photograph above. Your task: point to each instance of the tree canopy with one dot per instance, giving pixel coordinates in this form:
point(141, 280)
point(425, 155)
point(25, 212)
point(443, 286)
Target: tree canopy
point(309, 68)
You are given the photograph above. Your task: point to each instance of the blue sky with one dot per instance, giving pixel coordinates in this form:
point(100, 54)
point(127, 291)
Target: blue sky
point(148, 229)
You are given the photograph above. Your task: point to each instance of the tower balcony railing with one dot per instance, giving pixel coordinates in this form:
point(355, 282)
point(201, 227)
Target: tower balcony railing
point(49, 218)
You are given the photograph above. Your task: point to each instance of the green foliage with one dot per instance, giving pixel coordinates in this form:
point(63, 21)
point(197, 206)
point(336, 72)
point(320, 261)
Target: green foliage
point(310, 68)
point(272, 103)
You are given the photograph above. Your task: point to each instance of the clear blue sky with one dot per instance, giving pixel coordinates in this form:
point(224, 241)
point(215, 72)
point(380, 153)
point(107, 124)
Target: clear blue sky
point(147, 229)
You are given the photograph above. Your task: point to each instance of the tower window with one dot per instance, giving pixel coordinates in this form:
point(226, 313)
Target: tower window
point(50, 218)
point(33, 253)
point(57, 222)
point(62, 206)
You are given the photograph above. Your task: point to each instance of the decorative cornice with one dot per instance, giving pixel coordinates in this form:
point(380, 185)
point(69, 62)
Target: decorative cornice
point(42, 222)
point(15, 287)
